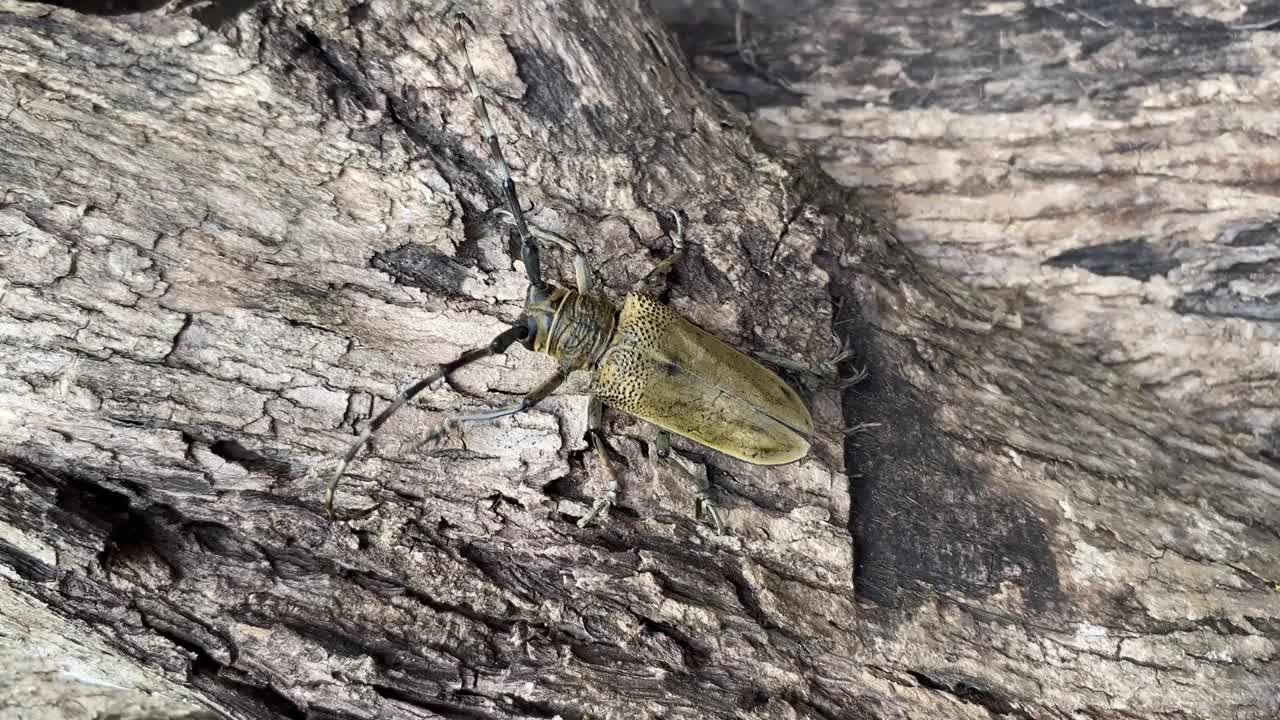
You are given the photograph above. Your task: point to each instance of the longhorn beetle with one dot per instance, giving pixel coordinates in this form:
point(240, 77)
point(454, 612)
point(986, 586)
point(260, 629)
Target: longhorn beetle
point(646, 360)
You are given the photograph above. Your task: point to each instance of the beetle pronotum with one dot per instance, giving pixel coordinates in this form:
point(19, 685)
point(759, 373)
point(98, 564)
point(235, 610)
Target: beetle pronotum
point(646, 360)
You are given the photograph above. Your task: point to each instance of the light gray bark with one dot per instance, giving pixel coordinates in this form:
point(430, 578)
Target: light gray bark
point(225, 248)
point(1117, 165)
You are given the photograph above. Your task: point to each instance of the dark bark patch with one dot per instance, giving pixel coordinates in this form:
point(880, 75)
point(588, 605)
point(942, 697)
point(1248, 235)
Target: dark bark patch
point(340, 65)
point(1252, 234)
point(923, 521)
point(550, 95)
point(109, 7)
point(1132, 257)
point(434, 707)
point(233, 452)
point(27, 566)
point(1223, 299)
point(241, 694)
point(966, 64)
point(420, 267)
point(216, 14)
point(971, 691)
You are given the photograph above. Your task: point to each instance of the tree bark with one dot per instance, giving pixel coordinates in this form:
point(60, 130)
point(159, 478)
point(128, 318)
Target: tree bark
point(1117, 165)
point(225, 247)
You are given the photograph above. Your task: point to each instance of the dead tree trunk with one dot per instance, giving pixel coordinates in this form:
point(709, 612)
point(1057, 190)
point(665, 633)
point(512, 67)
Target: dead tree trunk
point(1115, 164)
point(224, 248)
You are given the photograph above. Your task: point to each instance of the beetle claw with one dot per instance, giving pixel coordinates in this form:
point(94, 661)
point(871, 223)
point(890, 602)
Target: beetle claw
point(437, 434)
point(333, 469)
point(600, 506)
point(709, 510)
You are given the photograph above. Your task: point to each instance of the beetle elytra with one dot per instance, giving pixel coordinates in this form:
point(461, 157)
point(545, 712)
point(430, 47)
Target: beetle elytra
point(646, 360)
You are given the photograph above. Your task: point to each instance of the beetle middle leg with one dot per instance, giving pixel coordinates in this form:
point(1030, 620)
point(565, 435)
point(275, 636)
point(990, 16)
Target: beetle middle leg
point(595, 412)
point(706, 506)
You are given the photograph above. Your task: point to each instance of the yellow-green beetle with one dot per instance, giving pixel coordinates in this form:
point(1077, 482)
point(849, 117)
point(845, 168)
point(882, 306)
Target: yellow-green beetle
point(647, 360)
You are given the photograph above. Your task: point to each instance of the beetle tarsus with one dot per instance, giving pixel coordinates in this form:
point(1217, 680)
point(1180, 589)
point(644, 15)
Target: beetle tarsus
point(708, 509)
point(600, 506)
point(677, 252)
point(334, 470)
point(595, 419)
point(705, 506)
point(438, 433)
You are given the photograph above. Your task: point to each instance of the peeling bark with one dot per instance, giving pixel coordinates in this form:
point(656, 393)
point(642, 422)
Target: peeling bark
point(226, 247)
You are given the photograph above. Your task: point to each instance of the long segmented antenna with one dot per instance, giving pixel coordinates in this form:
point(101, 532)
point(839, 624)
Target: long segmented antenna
point(497, 346)
point(528, 246)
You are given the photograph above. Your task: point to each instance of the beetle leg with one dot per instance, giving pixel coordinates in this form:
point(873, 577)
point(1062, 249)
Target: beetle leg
point(528, 246)
point(706, 506)
point(595, 411)
point(580, 271)
point(677, 252)
point(828, 370)
point(496, 346)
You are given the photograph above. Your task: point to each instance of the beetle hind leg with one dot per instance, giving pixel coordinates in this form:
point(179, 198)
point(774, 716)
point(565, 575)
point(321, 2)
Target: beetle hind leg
point(595, 412)
point(707, 507)
point(824, 373)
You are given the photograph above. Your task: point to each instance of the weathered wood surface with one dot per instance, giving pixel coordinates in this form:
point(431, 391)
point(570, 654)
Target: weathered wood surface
point(1115, 164)
point(223, 248)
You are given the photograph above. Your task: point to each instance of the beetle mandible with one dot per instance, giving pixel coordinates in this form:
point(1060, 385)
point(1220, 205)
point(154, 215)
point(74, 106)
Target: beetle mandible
point(646, 360)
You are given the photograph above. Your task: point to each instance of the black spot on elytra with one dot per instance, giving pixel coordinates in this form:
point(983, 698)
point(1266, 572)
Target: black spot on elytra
point(232, 451)
point(1133, 257)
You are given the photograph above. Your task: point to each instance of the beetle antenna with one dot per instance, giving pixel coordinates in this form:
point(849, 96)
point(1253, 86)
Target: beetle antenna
point(528, 246)
point(497, 346)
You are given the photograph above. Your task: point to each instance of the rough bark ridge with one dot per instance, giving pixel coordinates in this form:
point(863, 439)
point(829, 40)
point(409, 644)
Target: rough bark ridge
point(224, 248)
point(1116, 164)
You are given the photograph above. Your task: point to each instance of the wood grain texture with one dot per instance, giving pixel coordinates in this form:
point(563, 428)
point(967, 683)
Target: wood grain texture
point(1117, 165)
point(223, 248)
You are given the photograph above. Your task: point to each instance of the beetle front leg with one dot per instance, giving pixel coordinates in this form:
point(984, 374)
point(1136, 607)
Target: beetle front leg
point(664, 267)
point(706, 505)
point(581, 273)
point(595, 412)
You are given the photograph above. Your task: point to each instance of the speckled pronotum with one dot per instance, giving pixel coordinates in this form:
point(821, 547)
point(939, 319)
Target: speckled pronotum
point(645, 359)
